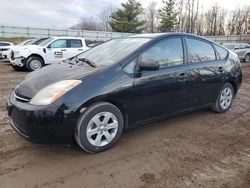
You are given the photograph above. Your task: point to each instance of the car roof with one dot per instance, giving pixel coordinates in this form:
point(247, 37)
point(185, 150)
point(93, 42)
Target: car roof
point(66, 37)
point(234, 43)
point(156, 36)
point(162, 35)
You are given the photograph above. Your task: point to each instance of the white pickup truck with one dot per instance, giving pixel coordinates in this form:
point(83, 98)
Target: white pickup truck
point(52, 50)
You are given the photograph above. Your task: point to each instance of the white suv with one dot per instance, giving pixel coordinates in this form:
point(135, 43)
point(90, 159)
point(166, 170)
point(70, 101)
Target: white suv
point(52, 50)
point(5, 49)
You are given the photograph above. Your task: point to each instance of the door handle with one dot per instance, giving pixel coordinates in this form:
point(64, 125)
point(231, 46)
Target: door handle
point(221, 69)
point(80, 49)
point(63, 50)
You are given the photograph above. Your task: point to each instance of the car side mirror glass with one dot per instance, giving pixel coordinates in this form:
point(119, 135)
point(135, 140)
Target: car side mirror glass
point(236, 48)
point(149, 64)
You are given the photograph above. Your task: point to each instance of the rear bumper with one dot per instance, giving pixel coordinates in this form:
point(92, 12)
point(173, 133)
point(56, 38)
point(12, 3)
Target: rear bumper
point(48, 124)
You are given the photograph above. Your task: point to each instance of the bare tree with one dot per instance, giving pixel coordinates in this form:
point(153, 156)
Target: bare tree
point(238, 21)
point(151, 14)
point(87, 23)
point(105, 17)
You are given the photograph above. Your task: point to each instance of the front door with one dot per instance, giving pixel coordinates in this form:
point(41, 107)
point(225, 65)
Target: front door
point(166, 90)
point(57, 51)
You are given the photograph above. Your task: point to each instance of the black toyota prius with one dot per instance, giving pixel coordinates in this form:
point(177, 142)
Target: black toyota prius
point(122, 83)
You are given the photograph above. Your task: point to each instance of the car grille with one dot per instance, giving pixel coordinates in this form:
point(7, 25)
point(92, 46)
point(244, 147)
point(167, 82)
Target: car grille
point(12, 55)
point(4, 49)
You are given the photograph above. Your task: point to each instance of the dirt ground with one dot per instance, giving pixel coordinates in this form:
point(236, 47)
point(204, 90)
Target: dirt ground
point(199, 149)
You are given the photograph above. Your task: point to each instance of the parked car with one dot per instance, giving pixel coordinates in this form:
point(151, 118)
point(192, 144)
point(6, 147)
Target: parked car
point(241, 49)
point(5, 49)
point(53, 50)
point(123, 83)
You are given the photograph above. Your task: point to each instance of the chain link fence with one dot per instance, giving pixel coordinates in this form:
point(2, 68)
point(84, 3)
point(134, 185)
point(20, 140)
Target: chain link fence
point(28, 32)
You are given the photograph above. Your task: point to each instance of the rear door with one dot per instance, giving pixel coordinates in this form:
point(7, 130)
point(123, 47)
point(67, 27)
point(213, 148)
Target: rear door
point(207, 70)
point(166, 90)
point(75, 47)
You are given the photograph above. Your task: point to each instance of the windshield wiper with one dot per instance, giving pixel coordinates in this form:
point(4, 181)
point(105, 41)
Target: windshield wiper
point(85, 60)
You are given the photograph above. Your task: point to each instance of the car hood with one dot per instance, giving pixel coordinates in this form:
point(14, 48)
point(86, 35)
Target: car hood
point(48, 75)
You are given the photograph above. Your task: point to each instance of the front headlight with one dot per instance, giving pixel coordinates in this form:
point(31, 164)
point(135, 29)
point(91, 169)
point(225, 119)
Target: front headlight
point(53, 92)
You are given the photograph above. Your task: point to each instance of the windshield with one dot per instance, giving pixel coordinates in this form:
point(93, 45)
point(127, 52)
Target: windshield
point(39, 41)
point(229, 46)
point(113, 51)
point(47, 41)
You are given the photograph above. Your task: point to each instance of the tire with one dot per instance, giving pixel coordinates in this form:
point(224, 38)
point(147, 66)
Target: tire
point(224, 99)
point(34, 63)
point(17, 68)
point(247, 58)
point(99, 127)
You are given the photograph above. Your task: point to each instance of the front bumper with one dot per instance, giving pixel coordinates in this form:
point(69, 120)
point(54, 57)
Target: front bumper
point(18, 61)
point(50, 124)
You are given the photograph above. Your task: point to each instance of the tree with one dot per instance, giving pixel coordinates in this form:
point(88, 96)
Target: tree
point(105, 17)
point(128, 18)
point(151, 16)
point(168, 16)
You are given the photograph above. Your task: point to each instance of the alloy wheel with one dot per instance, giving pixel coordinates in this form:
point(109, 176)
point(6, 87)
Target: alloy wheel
point(226, 98)
point(102, 129)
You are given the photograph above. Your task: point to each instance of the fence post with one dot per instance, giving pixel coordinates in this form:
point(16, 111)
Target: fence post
point(3, 30)
point(28, 35)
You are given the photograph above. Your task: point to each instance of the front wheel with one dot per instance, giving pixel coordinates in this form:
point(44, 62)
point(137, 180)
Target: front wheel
point(34, 63)
point(224, 99)
point(99, 128)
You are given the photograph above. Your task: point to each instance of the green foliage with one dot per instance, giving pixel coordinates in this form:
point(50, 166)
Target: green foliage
point(168, 16)
point(127, 19)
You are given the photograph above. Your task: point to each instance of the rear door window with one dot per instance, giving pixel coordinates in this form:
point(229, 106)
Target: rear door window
point(200, 51)
point(74, 43)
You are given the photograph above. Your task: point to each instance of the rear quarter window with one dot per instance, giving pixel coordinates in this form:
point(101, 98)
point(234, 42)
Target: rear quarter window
point(222, 53)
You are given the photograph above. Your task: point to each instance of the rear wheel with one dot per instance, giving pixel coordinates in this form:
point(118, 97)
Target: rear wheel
point(224, 99)
point(99, 128)
point(34, 63)
point(247, 58)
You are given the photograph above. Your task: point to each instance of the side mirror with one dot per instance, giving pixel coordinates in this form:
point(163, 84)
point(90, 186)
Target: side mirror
point(149, 64)
point(236, 48)
point(49, 46)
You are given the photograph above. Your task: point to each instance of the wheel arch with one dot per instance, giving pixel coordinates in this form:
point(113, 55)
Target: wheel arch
point(35, 55)
point(233, 83)
point(116, 103)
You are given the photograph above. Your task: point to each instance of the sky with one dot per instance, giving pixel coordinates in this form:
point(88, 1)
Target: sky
point(65, 13)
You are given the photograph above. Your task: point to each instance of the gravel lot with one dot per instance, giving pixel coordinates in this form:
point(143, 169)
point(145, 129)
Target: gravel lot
point(199, 149)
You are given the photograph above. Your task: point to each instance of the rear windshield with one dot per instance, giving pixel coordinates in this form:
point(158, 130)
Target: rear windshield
point(4, 44)
point(229, 46)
